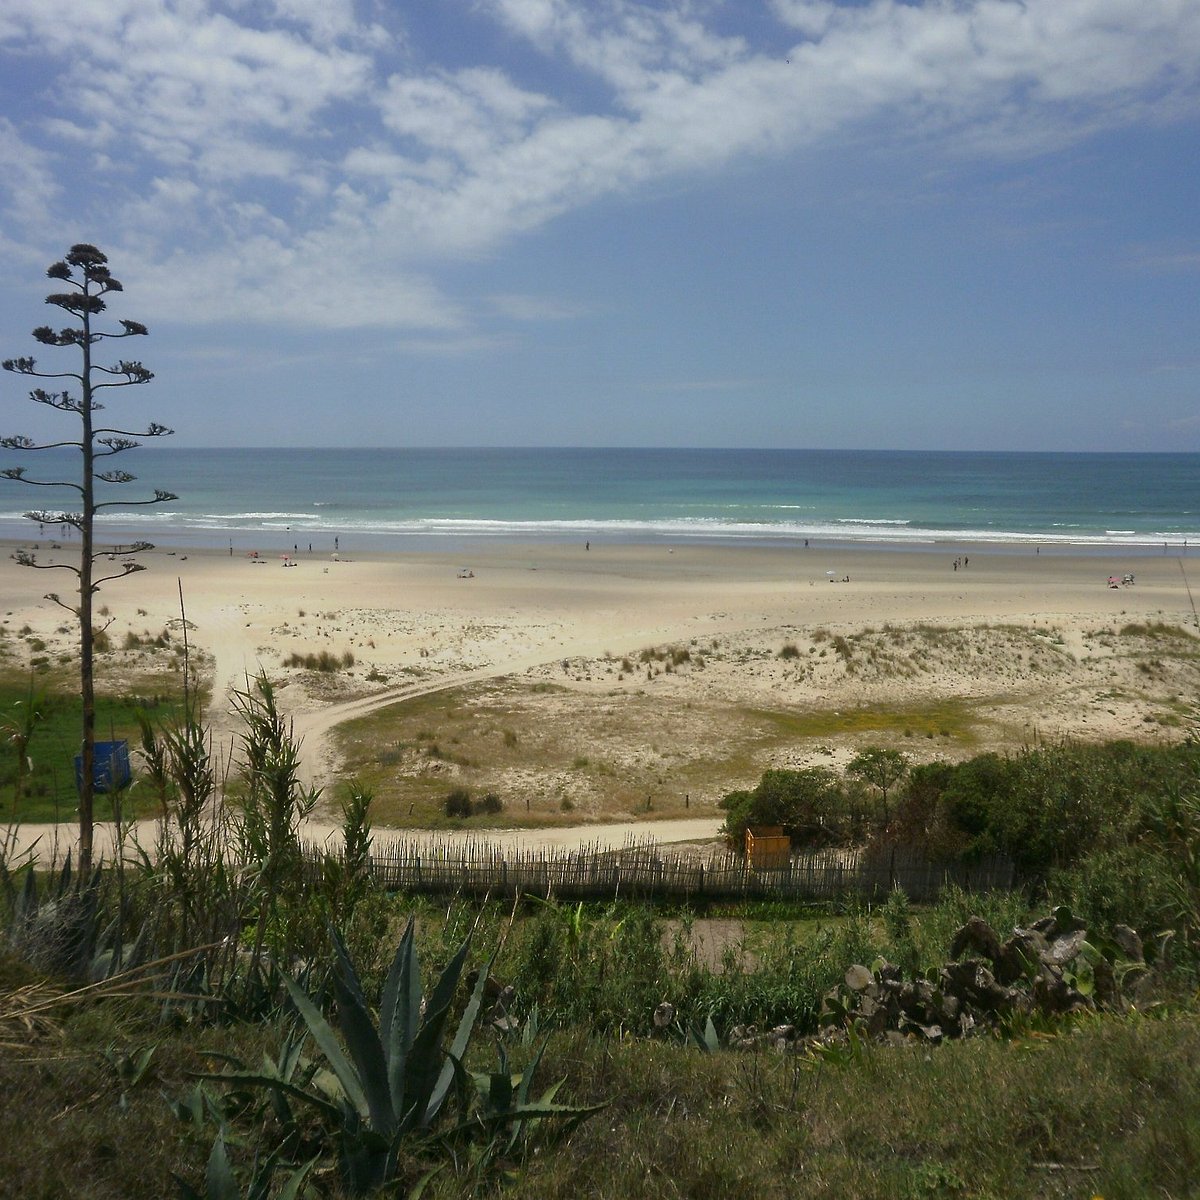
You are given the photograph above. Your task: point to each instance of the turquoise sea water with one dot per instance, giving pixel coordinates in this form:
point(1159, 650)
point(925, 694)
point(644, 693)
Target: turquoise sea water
point(452, 496)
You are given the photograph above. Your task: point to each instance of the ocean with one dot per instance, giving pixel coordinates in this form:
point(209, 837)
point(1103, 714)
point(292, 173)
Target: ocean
point(405, 498)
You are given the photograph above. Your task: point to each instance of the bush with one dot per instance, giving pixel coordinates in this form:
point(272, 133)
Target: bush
point(809, 804)
point(491, 804)
point(458, 803)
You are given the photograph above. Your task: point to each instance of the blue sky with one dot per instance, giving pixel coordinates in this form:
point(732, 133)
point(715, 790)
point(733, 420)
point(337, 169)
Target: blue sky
point(961, 224)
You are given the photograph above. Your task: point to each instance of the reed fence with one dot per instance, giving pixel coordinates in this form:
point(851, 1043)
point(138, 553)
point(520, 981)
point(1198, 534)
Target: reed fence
point(647, 871)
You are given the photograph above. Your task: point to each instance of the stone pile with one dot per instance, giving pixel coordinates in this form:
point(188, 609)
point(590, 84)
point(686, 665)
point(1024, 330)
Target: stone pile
point(1049, 968)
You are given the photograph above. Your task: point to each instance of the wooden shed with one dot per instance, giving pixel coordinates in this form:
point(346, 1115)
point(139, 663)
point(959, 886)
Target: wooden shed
point(768, 848)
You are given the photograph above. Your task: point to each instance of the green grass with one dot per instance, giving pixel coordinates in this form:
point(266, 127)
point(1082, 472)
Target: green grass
point(1104, 1107)
point(50, 787)
point(948, 719)
point(1109, 1108)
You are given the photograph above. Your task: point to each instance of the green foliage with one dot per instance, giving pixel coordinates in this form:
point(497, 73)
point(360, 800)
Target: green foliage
point(1047, 807)
point(881, 768)
point(274, 805)
point(390, 1080)
point(810, 805)
point(898, 923)
point(458, 803)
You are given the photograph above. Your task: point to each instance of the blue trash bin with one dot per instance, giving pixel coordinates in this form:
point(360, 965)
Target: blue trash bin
point(110, 770)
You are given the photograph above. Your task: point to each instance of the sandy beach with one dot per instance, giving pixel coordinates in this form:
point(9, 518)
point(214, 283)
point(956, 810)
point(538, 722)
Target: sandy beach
point(661, 632)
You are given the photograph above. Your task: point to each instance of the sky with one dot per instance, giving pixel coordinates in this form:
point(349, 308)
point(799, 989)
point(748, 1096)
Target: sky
point(932, 224)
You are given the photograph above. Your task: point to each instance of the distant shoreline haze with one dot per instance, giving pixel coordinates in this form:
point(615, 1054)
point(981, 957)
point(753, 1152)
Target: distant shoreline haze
point(442, 497)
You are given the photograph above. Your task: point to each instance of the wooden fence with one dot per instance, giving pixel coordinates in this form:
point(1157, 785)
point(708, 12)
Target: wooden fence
point(648, 871)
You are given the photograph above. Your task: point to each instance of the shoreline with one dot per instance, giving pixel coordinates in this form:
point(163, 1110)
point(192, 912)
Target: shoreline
point(350, 539)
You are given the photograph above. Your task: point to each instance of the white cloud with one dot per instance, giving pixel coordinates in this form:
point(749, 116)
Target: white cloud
point(28, 188)
point(292, 150)
point(533, 308)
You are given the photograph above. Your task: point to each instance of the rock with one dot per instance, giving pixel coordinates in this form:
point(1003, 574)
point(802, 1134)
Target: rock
point(959, 977)
point(859, 978)
point(1052, 994)
point(743, 1037)
point(1064, 949)
point(664, 1014)
point(1020, 955)
point(976, 935)
point(1107, 993)
point(782, 1038)
point(1129, 943)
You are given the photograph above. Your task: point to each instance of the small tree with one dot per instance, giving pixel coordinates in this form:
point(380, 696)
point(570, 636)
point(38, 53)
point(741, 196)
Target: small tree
point(880, 768)
point(85, 272)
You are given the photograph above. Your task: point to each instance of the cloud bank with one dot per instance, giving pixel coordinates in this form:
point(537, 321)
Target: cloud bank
point(310, 161)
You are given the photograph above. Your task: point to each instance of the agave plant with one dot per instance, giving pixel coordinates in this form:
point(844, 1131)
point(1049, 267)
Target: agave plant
point(388, 1081)
point(221, 1183)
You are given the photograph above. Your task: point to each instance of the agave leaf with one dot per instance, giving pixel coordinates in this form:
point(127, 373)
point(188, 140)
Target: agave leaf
point(400, 1014)
point(521, 1096)
point(434, 1077)
point(462, 1036)
point(496, 1091)
point(422, 1183)
point(137, 952)
point(324, 1037)
point(219, 1181)
point(423, 1072)
point(64, 876)
point(295, 1182)
point(537, 1111)
point(362, 1039)
point(29, 898)
point(705, 1039)
point(254, 1079)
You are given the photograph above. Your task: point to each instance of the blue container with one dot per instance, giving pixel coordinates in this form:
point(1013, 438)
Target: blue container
point(110, 770)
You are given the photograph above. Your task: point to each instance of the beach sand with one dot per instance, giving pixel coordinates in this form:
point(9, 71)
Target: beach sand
point(1037, 635)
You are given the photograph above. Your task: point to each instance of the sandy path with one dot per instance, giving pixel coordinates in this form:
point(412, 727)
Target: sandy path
point(52, 842)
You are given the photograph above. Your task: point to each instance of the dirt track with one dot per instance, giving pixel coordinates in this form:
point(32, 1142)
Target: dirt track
point(54, 841)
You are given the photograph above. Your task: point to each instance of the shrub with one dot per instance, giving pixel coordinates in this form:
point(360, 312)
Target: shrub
point(809, 804)
point(458, 803)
